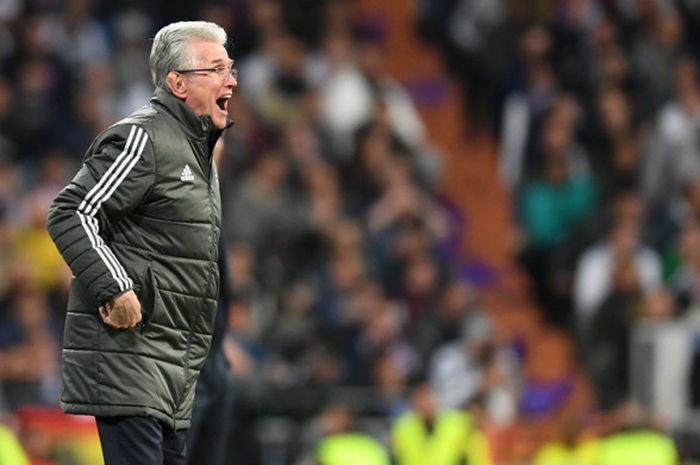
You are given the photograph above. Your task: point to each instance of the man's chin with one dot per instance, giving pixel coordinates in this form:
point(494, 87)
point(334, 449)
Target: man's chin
point(219, 123)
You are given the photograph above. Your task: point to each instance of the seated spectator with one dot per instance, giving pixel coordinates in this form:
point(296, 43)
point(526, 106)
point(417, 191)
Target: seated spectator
point(684, 281)
point(296, 327)
point(381, 334)
point(671, 164)
point(531, 87)
point(551, 206)
point(606, 344)
point(617, 146)
point(655, 52)
point(282, 97)
point(595, 269)
point(263, 199)
point(242, 346)
point(476, 364)
point(390, 377)
point(33, 244)
point(458, 303)
point(420, 288)
point(345, 270)
point(29, 355)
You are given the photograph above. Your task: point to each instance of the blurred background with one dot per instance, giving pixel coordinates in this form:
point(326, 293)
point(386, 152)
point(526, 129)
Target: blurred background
point(484, 207)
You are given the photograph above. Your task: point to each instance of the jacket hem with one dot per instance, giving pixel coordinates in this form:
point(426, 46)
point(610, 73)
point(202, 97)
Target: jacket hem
point(124, 411)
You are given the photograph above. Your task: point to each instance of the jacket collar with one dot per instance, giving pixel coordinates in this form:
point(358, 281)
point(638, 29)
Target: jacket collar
point(200, 127)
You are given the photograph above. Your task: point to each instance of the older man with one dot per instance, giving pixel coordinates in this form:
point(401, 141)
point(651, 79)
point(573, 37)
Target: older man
point(139, 227)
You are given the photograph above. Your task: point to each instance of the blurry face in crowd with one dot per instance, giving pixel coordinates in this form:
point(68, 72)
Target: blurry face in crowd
point(686, 85)
point(625, 238)
point(658, 305)
point(206, 92)
point(557, 135)
point(335, 420)
point(690, 239)
point(614, 111)
point(423, 401)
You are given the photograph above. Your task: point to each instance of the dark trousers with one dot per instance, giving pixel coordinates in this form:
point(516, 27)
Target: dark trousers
point(207, 438)
point(140, 441)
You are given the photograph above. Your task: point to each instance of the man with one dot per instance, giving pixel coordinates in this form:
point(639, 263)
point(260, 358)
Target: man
point(635, 440)
point(343, 445)
point(139, 227)
point(424, 435)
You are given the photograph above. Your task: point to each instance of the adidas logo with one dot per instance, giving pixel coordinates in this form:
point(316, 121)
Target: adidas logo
point(186, 175)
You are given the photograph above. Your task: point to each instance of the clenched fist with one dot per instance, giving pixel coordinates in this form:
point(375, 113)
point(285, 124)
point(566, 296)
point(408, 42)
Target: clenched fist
point(123, 311)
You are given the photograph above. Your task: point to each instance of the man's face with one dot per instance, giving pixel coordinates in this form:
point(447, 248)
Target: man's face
point(208, 93)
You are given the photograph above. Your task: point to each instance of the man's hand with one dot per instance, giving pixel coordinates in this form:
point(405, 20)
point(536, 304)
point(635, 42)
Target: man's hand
point(123, 311)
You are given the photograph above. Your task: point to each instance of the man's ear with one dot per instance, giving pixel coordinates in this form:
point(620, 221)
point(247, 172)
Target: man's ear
point(177, 85)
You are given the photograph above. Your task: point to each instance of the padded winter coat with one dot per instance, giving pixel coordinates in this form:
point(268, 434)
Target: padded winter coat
point(143, 213)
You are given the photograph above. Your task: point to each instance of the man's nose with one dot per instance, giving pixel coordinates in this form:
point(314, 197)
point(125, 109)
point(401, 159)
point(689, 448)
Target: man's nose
point(231, 80)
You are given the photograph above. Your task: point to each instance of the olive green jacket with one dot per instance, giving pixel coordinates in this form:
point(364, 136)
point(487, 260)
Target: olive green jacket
point(143, 213)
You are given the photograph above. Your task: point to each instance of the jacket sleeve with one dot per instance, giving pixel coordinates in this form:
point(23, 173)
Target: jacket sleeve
point(117, 173)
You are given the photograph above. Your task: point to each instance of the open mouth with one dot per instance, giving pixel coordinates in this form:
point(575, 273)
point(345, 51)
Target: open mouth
point(222, 102)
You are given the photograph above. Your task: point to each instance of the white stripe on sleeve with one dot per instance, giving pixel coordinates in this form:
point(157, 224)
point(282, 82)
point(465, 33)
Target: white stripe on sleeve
point(101, 192)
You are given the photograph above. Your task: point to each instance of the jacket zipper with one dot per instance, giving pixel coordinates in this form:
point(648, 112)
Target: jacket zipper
point(210, 284)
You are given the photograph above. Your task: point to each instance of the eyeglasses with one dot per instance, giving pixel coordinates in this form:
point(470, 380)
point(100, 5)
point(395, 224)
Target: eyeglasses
point(221, 71)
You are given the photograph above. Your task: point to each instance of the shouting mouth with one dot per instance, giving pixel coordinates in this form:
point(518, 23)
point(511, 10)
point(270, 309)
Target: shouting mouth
point(222, 103)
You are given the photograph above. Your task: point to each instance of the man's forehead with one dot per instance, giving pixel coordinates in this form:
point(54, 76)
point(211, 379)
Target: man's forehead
point(208, 51)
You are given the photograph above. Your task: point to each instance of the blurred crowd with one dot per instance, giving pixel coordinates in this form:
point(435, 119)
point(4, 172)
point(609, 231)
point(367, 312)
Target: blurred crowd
point(350, 299)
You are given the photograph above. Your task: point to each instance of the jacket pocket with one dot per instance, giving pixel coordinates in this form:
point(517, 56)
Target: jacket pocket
point(147, 296)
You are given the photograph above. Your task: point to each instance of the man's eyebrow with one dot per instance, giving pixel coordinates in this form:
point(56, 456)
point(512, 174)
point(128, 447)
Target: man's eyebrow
point(220, 61)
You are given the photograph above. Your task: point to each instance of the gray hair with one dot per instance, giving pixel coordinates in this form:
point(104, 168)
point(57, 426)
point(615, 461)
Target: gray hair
point(170, 46)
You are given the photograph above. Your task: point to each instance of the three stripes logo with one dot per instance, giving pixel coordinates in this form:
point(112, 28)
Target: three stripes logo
point(186, 175)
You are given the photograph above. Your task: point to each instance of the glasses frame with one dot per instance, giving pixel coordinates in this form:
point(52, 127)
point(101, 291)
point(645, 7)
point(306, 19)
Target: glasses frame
point(218, 70)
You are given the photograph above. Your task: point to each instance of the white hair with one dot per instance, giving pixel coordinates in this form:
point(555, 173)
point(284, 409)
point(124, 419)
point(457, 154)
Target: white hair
point(170, 46)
